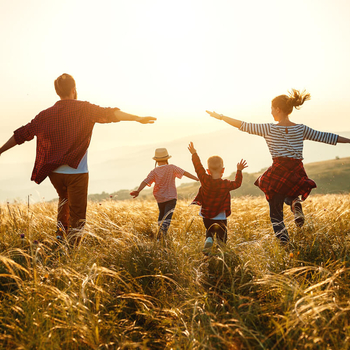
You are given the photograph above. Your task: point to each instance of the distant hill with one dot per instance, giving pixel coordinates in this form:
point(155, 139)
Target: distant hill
point(125, 167)
point(331, 176)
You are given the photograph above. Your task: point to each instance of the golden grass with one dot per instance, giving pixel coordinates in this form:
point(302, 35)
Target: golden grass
point(121, 289)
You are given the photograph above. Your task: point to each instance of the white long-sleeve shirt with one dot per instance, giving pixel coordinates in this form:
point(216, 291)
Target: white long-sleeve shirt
point(287, 141)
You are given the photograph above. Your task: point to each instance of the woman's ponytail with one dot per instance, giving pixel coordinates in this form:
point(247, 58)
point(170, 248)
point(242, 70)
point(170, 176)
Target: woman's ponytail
point(294, 99)
point(297, 98)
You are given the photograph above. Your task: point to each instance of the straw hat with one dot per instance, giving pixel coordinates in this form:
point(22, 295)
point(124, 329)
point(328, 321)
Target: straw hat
point(161, 154)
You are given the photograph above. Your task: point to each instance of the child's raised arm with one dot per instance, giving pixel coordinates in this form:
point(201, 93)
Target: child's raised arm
point(197, 162)
point(242, 165)
point(191, 148)
point(135, 194)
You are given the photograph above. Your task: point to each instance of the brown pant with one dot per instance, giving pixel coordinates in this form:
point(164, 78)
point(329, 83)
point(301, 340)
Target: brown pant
point(72, 190)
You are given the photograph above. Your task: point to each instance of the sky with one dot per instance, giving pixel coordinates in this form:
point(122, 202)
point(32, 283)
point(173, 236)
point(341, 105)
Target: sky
point(173, 60)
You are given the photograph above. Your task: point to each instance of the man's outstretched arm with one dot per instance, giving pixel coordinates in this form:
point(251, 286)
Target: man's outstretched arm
point(9, 144)
point(122, 116)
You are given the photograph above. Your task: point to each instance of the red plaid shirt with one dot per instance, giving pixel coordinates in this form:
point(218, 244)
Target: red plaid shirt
point(286, 176)
point(63, 134)
point(214, 194)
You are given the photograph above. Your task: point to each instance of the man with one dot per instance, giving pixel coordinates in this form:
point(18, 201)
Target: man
point(63, 134)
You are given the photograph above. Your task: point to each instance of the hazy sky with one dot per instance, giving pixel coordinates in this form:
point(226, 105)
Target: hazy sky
point(174, 60)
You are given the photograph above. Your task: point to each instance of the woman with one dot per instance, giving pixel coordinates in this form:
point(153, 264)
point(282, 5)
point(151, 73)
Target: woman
point(286, 180)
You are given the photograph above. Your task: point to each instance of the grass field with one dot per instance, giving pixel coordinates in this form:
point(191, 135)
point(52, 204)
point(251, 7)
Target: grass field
point(121, 289)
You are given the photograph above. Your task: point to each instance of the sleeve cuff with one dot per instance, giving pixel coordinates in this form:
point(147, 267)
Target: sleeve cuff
point(242, 127)
point(19, 140)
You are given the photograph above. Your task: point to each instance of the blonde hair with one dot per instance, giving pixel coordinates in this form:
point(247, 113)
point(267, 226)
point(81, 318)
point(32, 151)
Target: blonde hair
point(215, 163)
point(295, 98)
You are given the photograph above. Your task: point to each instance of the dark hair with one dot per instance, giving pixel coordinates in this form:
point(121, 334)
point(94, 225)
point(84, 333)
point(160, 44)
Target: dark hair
point(64, 84)
point(294, 99)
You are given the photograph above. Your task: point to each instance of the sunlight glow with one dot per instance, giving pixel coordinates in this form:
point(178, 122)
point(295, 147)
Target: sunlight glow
point(174, 60)
point(177, 58)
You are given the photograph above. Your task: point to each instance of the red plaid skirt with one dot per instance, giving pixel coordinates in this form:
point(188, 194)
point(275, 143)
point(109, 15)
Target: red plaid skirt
point(286, 176)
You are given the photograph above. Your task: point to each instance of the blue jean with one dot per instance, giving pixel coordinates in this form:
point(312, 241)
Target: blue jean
point(276, 215)
point(166, 210)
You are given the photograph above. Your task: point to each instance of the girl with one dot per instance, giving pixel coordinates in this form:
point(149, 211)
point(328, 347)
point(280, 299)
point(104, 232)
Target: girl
point(286, 179)
point(164, 190)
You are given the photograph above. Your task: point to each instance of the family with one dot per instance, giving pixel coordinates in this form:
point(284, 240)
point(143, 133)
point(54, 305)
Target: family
point(64, 132)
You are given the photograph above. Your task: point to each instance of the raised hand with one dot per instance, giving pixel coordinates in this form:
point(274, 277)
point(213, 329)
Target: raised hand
point(242, 165)
point(191, 148)
point(215, 115)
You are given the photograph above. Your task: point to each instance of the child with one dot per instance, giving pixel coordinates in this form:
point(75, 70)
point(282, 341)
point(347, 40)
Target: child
point(214, 196)
point(286, 180)
point(164, 189)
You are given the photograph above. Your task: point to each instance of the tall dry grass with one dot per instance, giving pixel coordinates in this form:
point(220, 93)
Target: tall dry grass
point(121, 289)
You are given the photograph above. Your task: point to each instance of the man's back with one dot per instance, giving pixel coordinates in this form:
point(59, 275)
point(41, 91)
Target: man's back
point(63, 134)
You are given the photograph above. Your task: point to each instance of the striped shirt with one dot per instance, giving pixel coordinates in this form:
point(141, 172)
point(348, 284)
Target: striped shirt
point(287, 141)
point(164, 178)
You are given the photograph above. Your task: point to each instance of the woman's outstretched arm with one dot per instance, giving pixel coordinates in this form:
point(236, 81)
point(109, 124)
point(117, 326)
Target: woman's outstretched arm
point(234, 122)
point(342, 139)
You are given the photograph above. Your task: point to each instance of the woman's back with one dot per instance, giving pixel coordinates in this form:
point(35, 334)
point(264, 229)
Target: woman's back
point(287, 141)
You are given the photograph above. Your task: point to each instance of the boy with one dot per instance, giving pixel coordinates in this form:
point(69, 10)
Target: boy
point(214, 196)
